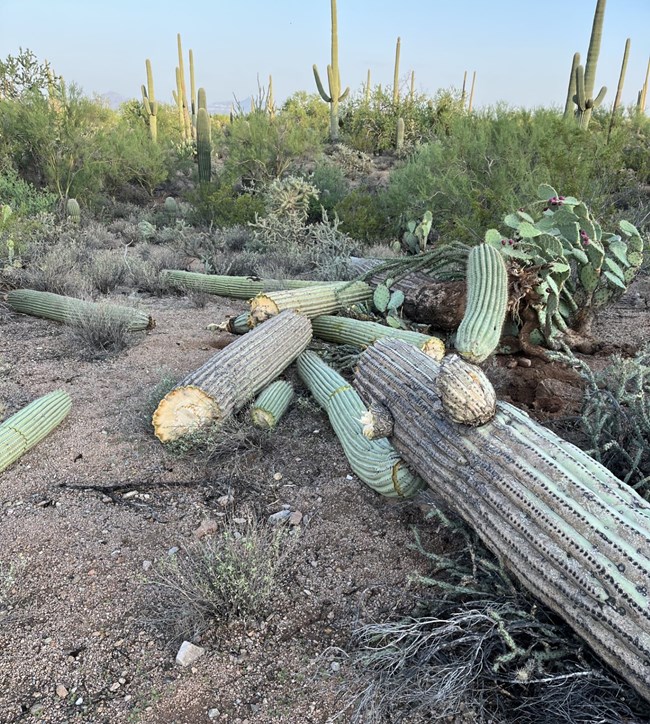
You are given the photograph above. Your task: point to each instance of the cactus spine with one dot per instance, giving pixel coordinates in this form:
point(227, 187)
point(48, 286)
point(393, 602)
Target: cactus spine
point(70, 310)
point(203, 146)
point(226, 286)
point(586, 77)
point(568, 106)
point(487, 300)
point(271, 405)
point(73, 210)
point(396, 72)
point(29, 426)
point(619, 88)
point(375, 462)
point(334, 97)
point(150, 104)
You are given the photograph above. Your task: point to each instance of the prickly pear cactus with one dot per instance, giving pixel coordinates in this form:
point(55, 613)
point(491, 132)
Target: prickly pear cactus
point(579, 267)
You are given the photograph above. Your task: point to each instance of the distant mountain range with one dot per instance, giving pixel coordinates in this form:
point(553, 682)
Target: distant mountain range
point(114, 100)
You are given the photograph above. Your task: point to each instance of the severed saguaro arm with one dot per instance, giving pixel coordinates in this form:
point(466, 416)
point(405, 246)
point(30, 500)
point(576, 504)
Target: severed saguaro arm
point(570, 531)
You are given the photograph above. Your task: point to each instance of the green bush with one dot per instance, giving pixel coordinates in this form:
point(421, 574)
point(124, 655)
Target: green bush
point(24, 198)
point(363, 217)
point(332, 187)
point(218, 203)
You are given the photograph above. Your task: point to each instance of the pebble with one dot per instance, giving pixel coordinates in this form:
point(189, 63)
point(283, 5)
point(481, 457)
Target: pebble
point(225, 500)
point(146, 565)
point(335, 666)
point(207, 527)
point(277, 476)
point(115, 686)
point(173, 551)
point(282, 516)
point(188, 653)
point(79, 701)
point(213, 713)
point(295, 518)
point(61, 691)
point(129, 495)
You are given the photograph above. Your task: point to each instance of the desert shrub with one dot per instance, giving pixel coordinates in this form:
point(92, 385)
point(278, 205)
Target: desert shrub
point(146, 262)
point(98, 335)
point(363, 216)
point(309, 111)
point(221, 204)
point(332, 186)
point(614, 422)
point(230, 576)
point(258, 148)
point(106, 270)
point(24, 198)
point(478, 648)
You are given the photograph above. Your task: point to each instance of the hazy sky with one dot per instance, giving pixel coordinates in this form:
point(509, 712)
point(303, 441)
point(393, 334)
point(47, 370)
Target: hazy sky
point(521, 49)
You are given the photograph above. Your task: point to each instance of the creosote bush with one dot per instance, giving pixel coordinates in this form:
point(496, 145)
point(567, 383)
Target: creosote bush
point(229, 576)
point(98, 335)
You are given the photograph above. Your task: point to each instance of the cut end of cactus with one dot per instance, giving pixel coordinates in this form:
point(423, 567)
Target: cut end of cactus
point(263, 419)
point(183, 411)
point(262, 308)
point(434, 348)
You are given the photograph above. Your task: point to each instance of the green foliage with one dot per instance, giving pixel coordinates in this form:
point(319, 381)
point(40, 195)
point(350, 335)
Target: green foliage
point(259, 149)
point(23, 74)
point(203, 146)
point(417, 234)
point(23, 197)
point(220, 204)
point(332, 186)
point(363, 216)
point(307, 110)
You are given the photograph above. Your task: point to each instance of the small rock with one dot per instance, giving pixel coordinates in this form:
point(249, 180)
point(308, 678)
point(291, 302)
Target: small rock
point(207, 527)
point(277, 476)
point(61, 691)
point(335, 666)
point(282, 516)
point(130, 494)
point(295, 518)
point(79, 701)
point(146, 565)
point(188, 653)
point(524, 362)
point(106, 499)
point(115, 686)
point(37, 708)
point(225, 500)
point(172, 551)
point(213, 713)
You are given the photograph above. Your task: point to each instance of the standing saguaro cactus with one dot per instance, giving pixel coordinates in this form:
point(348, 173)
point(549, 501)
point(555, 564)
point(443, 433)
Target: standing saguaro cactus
point(398, 47)
point(568, 106)
point(150, 103)
point(619, 89)
point(193, 107)
point(203, 146)
point(334, 97)
point(470, 105)
point(586, 77)
point(187, 123)
point(643, 93)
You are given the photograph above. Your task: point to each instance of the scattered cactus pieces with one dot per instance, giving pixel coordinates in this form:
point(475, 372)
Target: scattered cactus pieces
point(231, 377)
point(466, 394)
point(70, 310)
point(375, 462)
point(271, 405)
point(227, 286)
point(30, 425)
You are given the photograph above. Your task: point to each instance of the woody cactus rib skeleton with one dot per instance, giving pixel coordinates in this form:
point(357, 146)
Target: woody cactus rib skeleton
point(375, 462)
point(231, 377)
point(29, 426)
point(571, 533)
point(334, 97)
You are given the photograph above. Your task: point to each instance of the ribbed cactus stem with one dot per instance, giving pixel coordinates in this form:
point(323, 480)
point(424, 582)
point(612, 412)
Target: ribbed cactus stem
point(227, 286)
point(587, 102)
point(569, 531)
point(470, 105)
point(359, 333)
point(643, 93)
point(272, 403)
point(29, 426)
point(203, 146)
point(334, 97)
point(187, 123)
point(466, 394)
point(202, 99)
point(366, 90)
point(312, 301)
point(193, 104)
point(571, 91)
point(231, 377)
point(487, 301)
point(619, 87)
point(73, 210)
point(463, 93)
point(399, 138)
point(70, 310)
point(150, 103)
point(396, 72)
point(375, 462)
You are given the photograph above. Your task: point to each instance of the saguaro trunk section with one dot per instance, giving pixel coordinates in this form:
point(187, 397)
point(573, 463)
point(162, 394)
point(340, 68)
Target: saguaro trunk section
point(233, 376)
point(571, 532)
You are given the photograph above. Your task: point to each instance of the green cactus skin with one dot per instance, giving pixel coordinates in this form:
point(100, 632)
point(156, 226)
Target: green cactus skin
point(202, 99)
point(203, 146)
point(178, 99)
point(470, 105)
point(150, 104)
point(193, 105)
point(171, 207)
point(233, 376)
point(69, 310)
point(569, 104)
point(463, 93)
point(73, 210)
point(312, 301)
point(487, 300)
point(187, 122)
point(570, 532)
point(375, 462)
point(399, 139)
point(366, 90)
point(586, 77)
point(22, 431)
point(226, 286)
point(412, 88)
point(359, 333)
point(271, 405)
point(643, 93)
point(396, 72)
point(619, 88)
point(270, 101)
point(334, 97)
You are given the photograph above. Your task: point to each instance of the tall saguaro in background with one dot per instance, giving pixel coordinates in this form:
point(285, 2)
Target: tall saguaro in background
point(586, 77)
point(150, 103)
point(334, 97)
point(182, 100)
point(619, 89)
point(568, 106)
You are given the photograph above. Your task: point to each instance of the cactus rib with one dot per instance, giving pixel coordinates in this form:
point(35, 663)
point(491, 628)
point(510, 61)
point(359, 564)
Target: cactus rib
point(227, 286)
point(271, 404)
point(375, 462)
point(20, 432)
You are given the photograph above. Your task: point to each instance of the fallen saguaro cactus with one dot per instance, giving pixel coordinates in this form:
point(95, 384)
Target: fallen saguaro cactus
point(375, 462)
point(272, 403)
point(312, 302)
point(227, 286)
point(232, 376)
point(569, 531)
point(70, 310)
point(359, 333)
point(29, 426)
